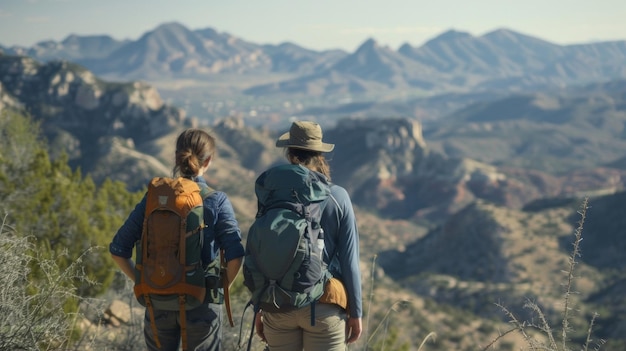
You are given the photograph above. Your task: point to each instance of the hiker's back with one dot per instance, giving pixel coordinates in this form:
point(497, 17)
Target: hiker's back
point(175, 231)
point(283, 266)
point(169, 263)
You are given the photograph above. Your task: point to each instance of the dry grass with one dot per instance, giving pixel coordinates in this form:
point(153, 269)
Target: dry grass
point(541, 335)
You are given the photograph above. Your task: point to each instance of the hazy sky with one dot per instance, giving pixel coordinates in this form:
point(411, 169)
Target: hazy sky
point(315, 24)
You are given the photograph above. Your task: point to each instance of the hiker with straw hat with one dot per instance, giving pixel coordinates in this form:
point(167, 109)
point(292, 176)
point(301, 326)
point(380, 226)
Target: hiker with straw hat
point(338, 312)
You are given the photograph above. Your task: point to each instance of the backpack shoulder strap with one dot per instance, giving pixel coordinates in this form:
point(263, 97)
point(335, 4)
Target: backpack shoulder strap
point(205, 190)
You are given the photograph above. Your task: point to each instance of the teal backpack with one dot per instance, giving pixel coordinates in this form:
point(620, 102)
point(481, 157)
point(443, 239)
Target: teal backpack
point(283, 267)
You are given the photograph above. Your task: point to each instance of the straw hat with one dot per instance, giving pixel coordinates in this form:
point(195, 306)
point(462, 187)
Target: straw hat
point(304, 135)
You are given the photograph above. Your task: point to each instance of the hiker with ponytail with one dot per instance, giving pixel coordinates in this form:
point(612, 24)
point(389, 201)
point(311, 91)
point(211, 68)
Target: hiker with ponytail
point(183, 295)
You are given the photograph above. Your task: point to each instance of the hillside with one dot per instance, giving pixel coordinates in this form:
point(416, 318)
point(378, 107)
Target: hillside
point(486, 255)
point(554, 131)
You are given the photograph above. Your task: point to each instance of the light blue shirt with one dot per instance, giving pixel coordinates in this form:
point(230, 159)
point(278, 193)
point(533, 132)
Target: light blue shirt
point(341, 238)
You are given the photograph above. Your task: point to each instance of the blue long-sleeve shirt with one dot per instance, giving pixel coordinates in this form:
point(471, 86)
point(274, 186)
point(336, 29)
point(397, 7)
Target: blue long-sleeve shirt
point(341, 239)
point(222, 229)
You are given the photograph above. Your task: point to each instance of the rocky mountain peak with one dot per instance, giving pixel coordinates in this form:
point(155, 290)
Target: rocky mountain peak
point(450, 35)
point(368, 44)
point(369, 54)
point(504, 35)
point(169, 27)
point(392, 135)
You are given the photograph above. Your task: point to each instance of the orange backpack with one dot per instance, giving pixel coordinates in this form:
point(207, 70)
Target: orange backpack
point(169, 272)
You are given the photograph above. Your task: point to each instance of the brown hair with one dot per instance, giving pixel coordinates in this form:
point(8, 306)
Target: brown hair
point(313, 160)
point(193, 148)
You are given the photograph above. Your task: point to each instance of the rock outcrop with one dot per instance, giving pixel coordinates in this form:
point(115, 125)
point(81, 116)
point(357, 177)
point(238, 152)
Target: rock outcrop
point(80, 114)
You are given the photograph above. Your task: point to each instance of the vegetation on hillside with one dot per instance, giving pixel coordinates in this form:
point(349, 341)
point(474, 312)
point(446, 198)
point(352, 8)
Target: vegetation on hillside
point(55, 230)
point(61, 209)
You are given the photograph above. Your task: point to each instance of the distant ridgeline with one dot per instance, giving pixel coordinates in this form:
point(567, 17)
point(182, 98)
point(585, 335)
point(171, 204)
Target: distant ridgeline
point(451, 62)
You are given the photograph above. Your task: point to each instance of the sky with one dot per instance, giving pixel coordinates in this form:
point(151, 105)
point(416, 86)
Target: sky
point(315, 24)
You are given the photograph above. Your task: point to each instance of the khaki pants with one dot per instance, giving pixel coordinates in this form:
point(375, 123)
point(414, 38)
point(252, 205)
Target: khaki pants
point(292, 331)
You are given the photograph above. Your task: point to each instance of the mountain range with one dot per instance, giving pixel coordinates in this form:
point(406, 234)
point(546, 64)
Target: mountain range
point(454, 61)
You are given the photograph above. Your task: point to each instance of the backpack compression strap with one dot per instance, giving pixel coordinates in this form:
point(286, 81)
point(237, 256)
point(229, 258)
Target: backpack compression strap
point(183, 322)
point(152, 321)
point(226, 283)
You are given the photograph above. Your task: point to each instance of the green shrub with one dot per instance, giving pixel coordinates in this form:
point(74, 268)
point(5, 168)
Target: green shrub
point(65, 212)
